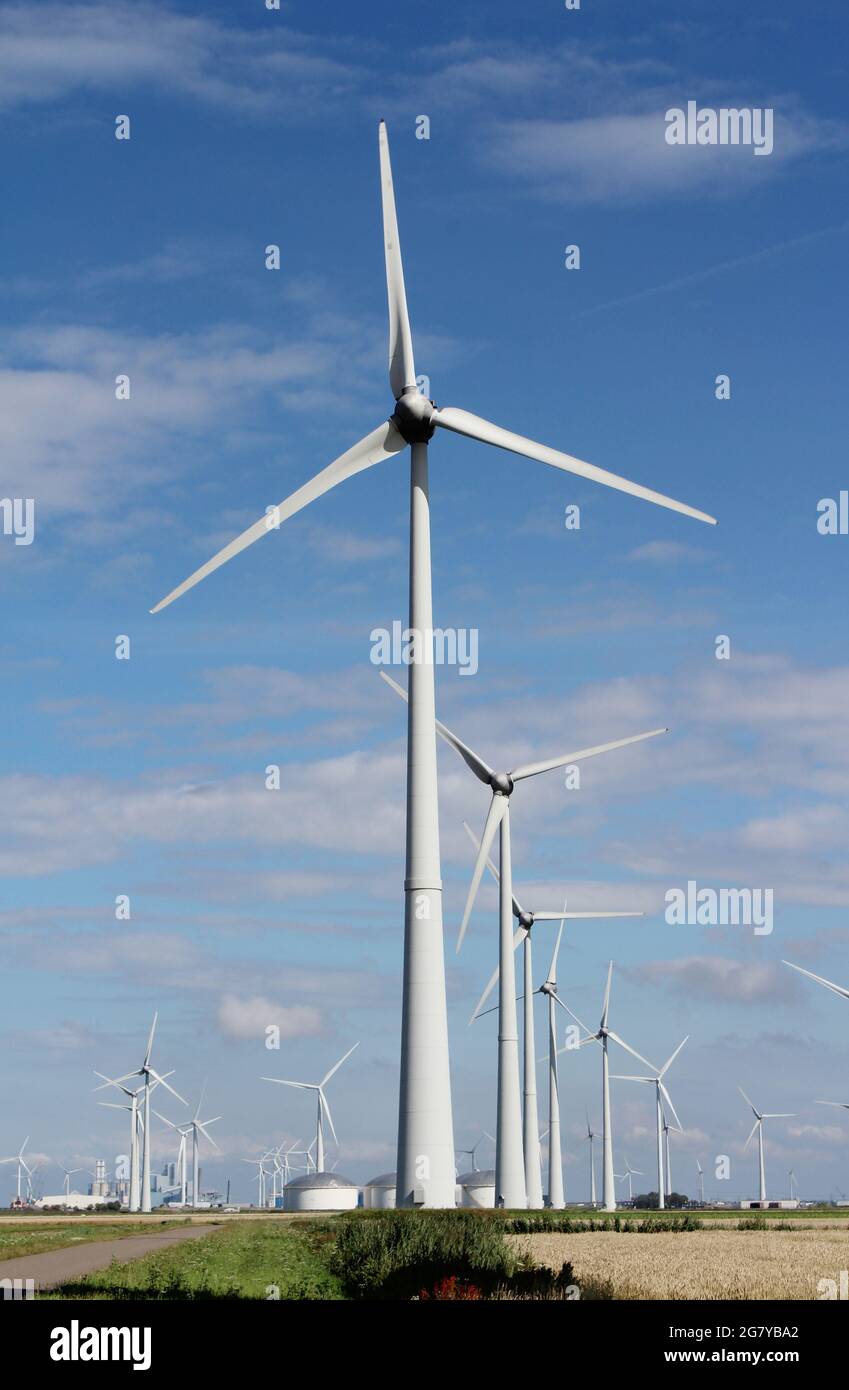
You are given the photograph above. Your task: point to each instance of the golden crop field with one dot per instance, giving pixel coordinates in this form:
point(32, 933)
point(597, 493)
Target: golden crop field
point(698, 1264)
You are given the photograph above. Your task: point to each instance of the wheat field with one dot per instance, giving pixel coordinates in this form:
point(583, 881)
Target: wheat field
point(696, 1264)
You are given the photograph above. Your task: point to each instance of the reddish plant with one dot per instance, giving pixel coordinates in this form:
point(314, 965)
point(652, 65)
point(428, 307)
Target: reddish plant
point(452, 1287)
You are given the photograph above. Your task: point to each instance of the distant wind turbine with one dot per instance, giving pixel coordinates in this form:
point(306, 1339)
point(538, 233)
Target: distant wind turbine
point(661, 1095)
point(530, 1119)
point(602, 1035)
point(759, 1127)
point(149, 1075)
point(322, 1107)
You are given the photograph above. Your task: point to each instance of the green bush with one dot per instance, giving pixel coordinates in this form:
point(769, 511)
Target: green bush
point(397, 1254)
point(538, 1223)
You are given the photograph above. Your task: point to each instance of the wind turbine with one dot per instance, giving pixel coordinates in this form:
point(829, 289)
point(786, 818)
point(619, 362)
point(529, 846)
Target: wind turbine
point(510, 1182)
point(701, 1183)
point(629, 1174)
point(184, 1131)
point(794, 1186)
point(425, 1130)
point(69, 1172)
point(135, 1130)
point(197, 1127)
point(261, 1175)
point(661, 1095)
point(530, 1121)
point(759, 1126)
point(602, 1035)
point(591, 1141)
point(22, 1165)
point(322, 1108)
point(472, 1151)
point(148, 1075)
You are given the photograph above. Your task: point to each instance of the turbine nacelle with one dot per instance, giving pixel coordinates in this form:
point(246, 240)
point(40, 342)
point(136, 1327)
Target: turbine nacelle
point(414, 416)
point(502, 783)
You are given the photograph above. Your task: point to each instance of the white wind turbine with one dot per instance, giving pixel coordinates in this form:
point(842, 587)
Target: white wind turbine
point(794, 1186)
point(261, 1175)
point(530, 1121)
point(473, 1151)
point(602, 1035)
point(629, 1174)
point(591, 1141)
point(701, 1182)
point(149, 1076)
point(510, 1183)
point(22, 1166)
point(184, 1131)
point(322, 1108)
point(758, 1126)
point(425, 1128)
point(136, 1130)
point(69, 1173)
point(661, 1094)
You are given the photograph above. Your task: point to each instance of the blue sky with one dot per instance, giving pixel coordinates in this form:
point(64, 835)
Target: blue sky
point(146, 777)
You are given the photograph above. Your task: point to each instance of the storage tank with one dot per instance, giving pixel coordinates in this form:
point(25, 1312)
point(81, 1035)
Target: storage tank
point(321, 1192)
point(379, 1193)
point(477, 1189)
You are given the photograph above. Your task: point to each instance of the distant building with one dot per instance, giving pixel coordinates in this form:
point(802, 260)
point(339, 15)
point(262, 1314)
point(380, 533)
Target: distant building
point(379, 1193)
point(477, 1188)
point(321, 1192)
point(74, 1201)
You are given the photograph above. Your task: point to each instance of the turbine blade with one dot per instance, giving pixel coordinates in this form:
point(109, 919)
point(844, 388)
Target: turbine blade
point(150, 1040)
point(322, 1100)
point(622, 1043)
point(667, 1097)
point(552, 969)
point(838, 1104)
point(751, 1133)
point(778, 1115)
point(581, 916)
point(481, 769)
point(474, 427)
point(494, 817)
point(589, 1032)
point(828, 984)
point(517, 906)
point(518, 936)
point(333, 1070)
point(377, 446)
point(299, 1085)
point(402, 371)
point(532, 769)
point(164, 1083)
point(207, 1135)
point(606, 1004)
point(665, 1068)
point(748, 1102)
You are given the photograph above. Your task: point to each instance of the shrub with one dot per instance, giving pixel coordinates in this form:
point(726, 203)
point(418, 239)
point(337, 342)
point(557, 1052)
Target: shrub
point(397, 1254)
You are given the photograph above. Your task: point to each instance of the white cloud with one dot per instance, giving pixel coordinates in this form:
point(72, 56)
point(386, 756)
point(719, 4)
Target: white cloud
point(249, 1018)
point(718, 977)
point(625, 158)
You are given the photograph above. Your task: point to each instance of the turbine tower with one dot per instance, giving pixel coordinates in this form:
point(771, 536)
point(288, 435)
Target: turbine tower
point(22, 1166)
point(530, 1122)
point(602, 1035)
point(510, 1181)
point(760, 1116)
point(591, 1141)
point(134, 1201)
point(322, 1108)
point(425, 1131)
point(661, 1095)
point(701, 1183)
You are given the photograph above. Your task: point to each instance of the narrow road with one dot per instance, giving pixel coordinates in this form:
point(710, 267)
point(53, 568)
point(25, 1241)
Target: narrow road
point(57, 1266)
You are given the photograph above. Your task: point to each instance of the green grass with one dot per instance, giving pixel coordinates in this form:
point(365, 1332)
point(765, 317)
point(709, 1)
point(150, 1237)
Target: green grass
point(15, 1241)
point(244, 1260)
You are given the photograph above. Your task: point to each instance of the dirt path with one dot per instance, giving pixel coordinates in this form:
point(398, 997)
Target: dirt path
point(57, 1266)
